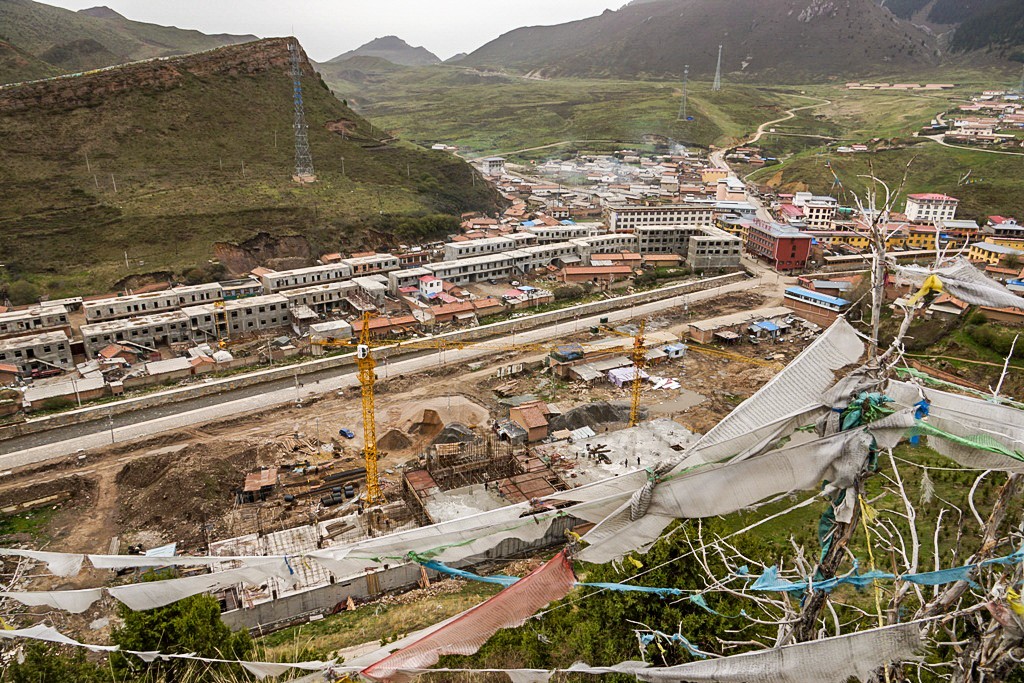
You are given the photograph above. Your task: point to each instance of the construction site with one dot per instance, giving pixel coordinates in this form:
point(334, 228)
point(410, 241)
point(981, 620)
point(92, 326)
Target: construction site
point(519, 426)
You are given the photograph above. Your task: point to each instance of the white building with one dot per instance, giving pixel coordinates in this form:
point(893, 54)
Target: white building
point(930, 207)
point(147, 331)
point(304, 277)
point(377, 263)
point(40, 351)
point(819, 210)
point(713, 249)
point(33, 318)
point(430, 286)
point(237, 318)
point(130, 305)
point(493, 166)
point(630, 216)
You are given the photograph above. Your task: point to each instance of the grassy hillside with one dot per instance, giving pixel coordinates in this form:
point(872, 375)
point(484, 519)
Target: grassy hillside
point(74, 41)
point(18, 65)
point(768, 40)
point(997, 186)
point(491, 112)
point(177, 158)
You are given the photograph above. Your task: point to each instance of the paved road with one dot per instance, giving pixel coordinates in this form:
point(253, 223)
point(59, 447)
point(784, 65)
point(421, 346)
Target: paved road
point(63, 441)
point(939, 139)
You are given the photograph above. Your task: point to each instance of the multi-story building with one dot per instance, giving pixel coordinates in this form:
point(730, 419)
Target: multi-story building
point(34, 318)
point(320, 298)
point(114, 307)
point(930, 207)
point(629, 216)
point(409, 277)
point(784, 247)
point(377, 263)
point(234, 319)
point(492, 266)
point(820, 309)
point(665, 239)
point(493, 166)
point(818, 211)
point(40, 351)
point(1006, 228)
point(547, 234)
point(454, 251)
point(276, 281)
point(147, 331)
point(608, 243)
point(713, 249)
point(992, 254)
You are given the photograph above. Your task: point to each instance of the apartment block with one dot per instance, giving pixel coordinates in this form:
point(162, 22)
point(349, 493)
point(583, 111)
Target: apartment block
point(304, 277)
point(714, 249)
point(784, 247)
point(630, 216)
point(492, 266)
point(409, 277)
point(320, 298)
point(130, 305)
point(608, 243)
point(147, 331)
point(547, 234)
point(39, 351)
point(238, 318)
point(930, 207)
point(34, 318)
point(377, 263)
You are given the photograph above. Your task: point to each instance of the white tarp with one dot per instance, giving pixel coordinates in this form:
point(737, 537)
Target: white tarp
point(75, 601)
point(61, 564)
point(150, 594)
point(727, 487)
point(962, 280)
point(791, 398)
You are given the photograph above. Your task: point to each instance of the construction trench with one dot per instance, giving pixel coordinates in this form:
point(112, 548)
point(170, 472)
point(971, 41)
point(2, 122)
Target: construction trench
point(287, 482)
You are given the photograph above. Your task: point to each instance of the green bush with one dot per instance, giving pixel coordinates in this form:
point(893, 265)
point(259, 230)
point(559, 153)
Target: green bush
point(568, 292)
point(22, 292)
point(58, 403)
point(49, 663)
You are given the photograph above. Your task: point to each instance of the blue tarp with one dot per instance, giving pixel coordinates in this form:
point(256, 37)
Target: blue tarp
point(768, 326)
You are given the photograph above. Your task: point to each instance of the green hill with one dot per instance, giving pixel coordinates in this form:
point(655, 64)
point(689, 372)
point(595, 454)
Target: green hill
point(768, 40)
point(19, 65)
point(73, 41)
point(201, 151)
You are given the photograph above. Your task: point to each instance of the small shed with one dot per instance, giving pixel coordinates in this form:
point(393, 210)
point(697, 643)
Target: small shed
point(259, 485)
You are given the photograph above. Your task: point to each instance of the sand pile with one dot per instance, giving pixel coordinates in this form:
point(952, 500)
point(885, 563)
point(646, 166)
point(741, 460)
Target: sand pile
point(394, 440)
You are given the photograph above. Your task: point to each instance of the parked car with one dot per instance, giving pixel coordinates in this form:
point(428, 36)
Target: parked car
point(347, 433)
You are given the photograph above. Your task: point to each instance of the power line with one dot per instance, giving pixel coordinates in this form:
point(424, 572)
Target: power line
point(717, 85)
point(682, 105)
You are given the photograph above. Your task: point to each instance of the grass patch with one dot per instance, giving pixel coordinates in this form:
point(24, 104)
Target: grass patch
point(31, 522)
point(374, 622)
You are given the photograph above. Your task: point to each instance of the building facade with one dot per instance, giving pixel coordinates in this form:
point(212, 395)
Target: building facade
point(41, 351)
point(930, 207)
point(784, 247)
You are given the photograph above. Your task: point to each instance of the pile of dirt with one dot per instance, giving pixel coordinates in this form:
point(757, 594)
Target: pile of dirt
point(75, 489)
point(455, 433)
point(394, 440)
point(593, 415)
point(176, 494)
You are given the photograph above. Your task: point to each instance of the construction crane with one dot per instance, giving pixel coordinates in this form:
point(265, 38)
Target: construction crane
point(367, 376)
point(639, 360)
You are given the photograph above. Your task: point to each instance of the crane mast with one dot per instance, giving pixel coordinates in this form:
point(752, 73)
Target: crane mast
point(367, 376)
point(639, 358)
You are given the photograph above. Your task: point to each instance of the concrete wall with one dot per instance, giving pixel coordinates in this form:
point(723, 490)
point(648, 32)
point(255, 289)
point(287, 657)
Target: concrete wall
point(263, 616)
point(92, 413)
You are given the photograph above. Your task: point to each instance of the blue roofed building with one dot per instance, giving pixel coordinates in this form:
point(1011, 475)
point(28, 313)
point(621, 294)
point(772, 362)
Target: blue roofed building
point(820, 309)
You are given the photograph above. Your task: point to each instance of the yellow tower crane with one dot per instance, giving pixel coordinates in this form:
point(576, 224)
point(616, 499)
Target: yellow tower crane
point(639, 360)
point(367, 376)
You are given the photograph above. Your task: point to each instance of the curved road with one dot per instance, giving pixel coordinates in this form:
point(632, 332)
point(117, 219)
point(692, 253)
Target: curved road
point(63, 441)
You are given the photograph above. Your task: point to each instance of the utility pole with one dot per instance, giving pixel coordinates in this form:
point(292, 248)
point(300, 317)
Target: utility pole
point(682, 105)
point(113, 182)
point(126, 266)
point(88, 166)
point(717, 85)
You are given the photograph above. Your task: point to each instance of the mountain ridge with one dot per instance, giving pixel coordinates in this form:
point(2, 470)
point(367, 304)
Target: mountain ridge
point(784, 41)
point(393, 49)
point(93, 38)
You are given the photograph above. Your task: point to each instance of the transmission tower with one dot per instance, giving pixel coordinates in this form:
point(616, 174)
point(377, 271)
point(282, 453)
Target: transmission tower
point(682, 105)
point(717, 85)
point(303, 159)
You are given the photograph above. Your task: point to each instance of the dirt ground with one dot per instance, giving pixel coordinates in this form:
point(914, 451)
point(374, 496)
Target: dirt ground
point(180, 487)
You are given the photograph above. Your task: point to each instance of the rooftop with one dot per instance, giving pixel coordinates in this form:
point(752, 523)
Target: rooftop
point(816, 296)
point(933, 197)
point(33, 340)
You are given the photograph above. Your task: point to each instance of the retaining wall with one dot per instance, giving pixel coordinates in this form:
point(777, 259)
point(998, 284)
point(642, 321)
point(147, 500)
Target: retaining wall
point(266, 616)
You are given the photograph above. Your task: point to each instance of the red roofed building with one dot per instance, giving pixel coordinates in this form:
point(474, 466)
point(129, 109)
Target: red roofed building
point(533, 417)
point(929, 207)
point(603, 274)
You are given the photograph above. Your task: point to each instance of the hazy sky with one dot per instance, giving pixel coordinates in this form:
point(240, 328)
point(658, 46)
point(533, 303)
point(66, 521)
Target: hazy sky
point(326, 28)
